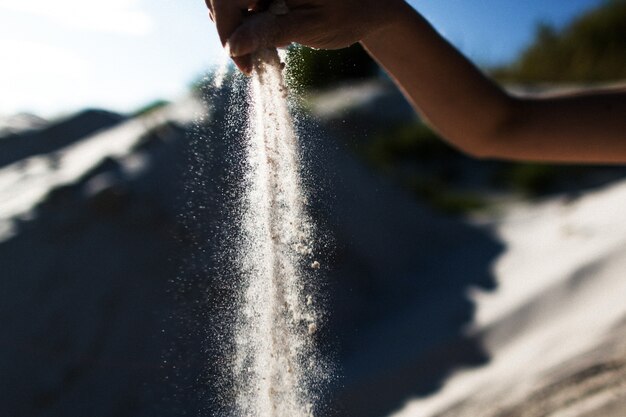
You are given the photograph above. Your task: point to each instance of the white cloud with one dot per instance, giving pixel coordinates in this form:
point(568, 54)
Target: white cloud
point(111, 16)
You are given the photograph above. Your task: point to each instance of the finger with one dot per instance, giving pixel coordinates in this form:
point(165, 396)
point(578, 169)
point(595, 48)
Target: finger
point(267, 30)
point(244, 63)
point(228, 15)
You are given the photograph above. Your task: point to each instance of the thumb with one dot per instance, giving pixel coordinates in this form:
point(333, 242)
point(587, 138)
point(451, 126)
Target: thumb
point(264, 30)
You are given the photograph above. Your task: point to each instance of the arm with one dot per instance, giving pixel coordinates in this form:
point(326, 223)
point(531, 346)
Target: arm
point(477, 116)
point(468, 109)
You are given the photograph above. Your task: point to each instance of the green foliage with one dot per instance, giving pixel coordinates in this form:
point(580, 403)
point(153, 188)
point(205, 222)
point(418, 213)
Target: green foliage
point(311, 68)
point(590, 49)
point(150, 107)
point(444, 198)
point(411, 142)
point(416, 157)
point(536, 179)
point(528, 178)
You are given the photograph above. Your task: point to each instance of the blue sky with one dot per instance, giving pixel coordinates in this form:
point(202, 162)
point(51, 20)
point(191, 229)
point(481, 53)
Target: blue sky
point(62, 55)
point(494, 31)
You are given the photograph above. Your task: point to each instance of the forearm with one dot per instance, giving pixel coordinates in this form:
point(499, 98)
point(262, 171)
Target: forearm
point(588, 127)
point(448, 90)
point(477, 116)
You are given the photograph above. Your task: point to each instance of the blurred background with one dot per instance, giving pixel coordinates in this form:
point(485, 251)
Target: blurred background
point(452, 286)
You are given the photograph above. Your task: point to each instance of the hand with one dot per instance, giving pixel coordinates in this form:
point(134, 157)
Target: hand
point(228, 15)
point(245, 26)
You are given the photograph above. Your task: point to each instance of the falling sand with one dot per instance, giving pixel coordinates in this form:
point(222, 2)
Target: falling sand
point(275, 366)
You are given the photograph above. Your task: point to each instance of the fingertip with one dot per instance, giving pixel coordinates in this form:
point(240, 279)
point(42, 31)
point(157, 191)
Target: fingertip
point(244, 63)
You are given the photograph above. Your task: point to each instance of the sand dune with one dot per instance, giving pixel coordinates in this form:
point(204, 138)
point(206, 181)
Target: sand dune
point(554, 327)
point(25, 183)
point(89, 239)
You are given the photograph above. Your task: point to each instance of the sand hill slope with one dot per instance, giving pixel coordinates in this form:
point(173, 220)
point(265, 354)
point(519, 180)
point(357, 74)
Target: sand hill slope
point(111, 288)
point(554, 327)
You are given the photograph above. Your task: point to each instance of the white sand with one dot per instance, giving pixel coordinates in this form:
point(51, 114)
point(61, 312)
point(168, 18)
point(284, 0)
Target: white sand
point(26, 183)
point(550, 326)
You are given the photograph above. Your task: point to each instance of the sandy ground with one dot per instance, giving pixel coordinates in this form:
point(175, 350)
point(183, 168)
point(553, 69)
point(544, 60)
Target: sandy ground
point(519, 314)
point(554, 327)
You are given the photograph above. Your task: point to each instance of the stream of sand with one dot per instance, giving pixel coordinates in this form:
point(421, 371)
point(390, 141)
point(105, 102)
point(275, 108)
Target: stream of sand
point(274, 367)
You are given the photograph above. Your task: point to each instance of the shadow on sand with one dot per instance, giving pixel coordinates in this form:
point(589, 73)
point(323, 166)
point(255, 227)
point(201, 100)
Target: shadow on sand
point(397, 287)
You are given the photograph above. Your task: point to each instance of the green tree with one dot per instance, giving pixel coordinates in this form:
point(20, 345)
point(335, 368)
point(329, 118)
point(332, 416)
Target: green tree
point(591, 48)
point(311, 68)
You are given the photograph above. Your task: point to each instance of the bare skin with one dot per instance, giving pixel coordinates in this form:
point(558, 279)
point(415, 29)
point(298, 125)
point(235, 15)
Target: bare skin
point(468, 109)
